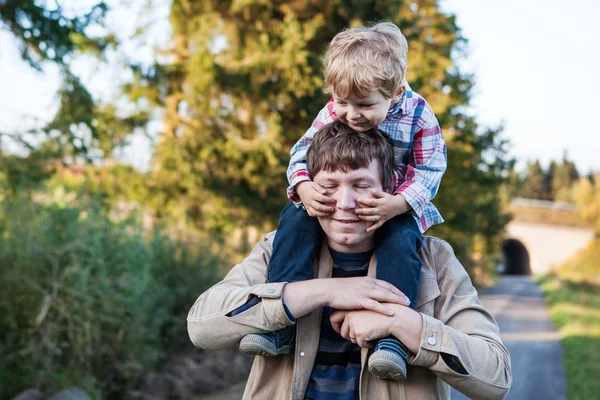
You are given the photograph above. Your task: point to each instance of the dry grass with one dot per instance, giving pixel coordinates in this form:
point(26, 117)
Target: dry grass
point(547, 216)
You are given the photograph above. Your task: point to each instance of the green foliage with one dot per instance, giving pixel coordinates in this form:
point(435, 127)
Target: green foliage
point(554, 183)
point(586, 194)
point(243, 83)
point(575, 310)
point(563, 178)
point(584, 266)
point(535, 184)
point(22, 173)
point(87, 300)
point(573, 295)
point(46, 33)
point(81, 130)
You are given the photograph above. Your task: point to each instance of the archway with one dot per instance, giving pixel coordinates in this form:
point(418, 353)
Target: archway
point(516, 258)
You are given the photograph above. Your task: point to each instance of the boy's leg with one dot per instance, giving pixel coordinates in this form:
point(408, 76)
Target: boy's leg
point(292, 259)
point(295, 246)
point(398, 242)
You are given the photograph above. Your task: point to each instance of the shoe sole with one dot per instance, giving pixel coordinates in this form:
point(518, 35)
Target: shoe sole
point(387, 365)
point(256, 345)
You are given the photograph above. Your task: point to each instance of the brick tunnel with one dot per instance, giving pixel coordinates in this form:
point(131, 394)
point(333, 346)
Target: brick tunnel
point(516, 258)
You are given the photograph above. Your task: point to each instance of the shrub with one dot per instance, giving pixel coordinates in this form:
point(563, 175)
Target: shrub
point(87, 300)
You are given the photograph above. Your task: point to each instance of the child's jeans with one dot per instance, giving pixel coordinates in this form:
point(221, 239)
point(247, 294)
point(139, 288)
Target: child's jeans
point(397, 242)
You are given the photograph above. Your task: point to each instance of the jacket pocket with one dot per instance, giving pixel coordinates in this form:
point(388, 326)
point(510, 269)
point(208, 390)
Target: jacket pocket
point(428, 292)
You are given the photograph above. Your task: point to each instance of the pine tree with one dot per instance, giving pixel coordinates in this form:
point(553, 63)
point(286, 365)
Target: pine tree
point(243, 83)
point(565, 176)
point(534, 183)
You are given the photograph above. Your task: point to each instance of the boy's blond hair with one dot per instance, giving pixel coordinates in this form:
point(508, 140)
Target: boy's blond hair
point(362, 59)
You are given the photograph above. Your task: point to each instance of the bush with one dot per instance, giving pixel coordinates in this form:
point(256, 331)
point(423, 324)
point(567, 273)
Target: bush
point(87, 300)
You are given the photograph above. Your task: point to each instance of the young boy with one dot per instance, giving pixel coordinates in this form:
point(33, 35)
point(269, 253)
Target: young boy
point(365, 69)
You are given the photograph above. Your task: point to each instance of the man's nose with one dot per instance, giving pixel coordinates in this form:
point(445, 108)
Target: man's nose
point(346, 199)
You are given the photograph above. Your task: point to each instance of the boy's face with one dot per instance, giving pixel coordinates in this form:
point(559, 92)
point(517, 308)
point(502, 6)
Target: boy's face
point(364, 113)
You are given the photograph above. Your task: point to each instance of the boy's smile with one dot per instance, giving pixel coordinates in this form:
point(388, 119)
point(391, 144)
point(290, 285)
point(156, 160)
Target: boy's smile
point(364, 113)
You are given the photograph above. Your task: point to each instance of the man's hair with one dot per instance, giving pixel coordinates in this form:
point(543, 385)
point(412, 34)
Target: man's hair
point(362, 59)
point(336, 146)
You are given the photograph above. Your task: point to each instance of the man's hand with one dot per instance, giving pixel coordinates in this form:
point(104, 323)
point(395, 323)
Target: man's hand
point(364, 326)
point(363, 293)
point(303, 297)
point(314, 198)
point(361, 327)
point(381, 207)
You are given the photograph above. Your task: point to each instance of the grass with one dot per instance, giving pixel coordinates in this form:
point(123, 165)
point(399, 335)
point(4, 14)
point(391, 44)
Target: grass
point(573, 295)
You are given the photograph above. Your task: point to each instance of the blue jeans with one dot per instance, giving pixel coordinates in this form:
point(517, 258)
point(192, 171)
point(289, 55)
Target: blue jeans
point(397, 243)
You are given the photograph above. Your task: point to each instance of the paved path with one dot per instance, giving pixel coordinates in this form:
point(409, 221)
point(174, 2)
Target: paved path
point(528, 333)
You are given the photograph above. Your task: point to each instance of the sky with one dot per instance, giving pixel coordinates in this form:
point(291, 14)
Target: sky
point(536, 65)
point(537, 70)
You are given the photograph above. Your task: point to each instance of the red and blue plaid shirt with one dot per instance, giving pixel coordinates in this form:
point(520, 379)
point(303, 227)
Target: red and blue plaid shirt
point(419, 152)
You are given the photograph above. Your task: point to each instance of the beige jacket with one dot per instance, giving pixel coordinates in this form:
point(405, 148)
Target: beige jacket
point(454, 323)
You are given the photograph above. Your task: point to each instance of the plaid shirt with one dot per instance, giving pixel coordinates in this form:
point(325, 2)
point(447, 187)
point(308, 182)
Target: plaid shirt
point(419, 150)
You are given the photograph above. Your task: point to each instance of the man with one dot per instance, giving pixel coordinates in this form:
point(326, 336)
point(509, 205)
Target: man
point(452, 339)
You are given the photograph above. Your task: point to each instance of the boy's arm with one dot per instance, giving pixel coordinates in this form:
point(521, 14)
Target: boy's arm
point(298, 169)
point(427, 166)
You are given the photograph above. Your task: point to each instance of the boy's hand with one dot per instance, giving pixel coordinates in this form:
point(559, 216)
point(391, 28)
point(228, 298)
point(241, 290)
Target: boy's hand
point(315, 200)
point(381, 207)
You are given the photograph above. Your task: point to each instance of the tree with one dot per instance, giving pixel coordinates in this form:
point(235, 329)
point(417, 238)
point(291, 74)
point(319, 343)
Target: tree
point(586, 194)
point(243, 82)
point(81, 130)
point(564, 177)
point(534, 183)
point(549, 178)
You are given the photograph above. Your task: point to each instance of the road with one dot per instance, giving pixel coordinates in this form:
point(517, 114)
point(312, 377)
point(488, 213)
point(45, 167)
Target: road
point(528, 333)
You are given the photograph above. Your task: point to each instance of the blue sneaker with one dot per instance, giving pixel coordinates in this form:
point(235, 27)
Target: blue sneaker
point(388, 361)
point(269, 344)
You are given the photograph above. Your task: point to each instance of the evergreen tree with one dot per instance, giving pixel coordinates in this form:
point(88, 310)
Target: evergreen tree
point(243, 83)
point(534, 183)
point(565, 176)
point(549, 179)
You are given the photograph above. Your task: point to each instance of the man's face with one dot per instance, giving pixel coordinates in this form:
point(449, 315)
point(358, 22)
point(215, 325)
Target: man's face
point(345, 231)
point(363, 113)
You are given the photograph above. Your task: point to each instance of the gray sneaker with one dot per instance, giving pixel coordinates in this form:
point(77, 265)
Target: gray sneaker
point(269, 344)
point(388, 361)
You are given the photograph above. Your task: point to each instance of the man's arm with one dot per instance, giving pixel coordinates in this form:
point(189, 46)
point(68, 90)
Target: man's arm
point(213, 322)
point(244, 302)
point(361, 293)
point(461, 344)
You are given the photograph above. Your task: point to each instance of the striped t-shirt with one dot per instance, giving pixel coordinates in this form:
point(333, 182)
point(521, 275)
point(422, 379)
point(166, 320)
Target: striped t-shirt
point(336, 373)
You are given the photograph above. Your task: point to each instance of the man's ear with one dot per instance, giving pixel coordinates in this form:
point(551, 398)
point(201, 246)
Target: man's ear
point(398, 95)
